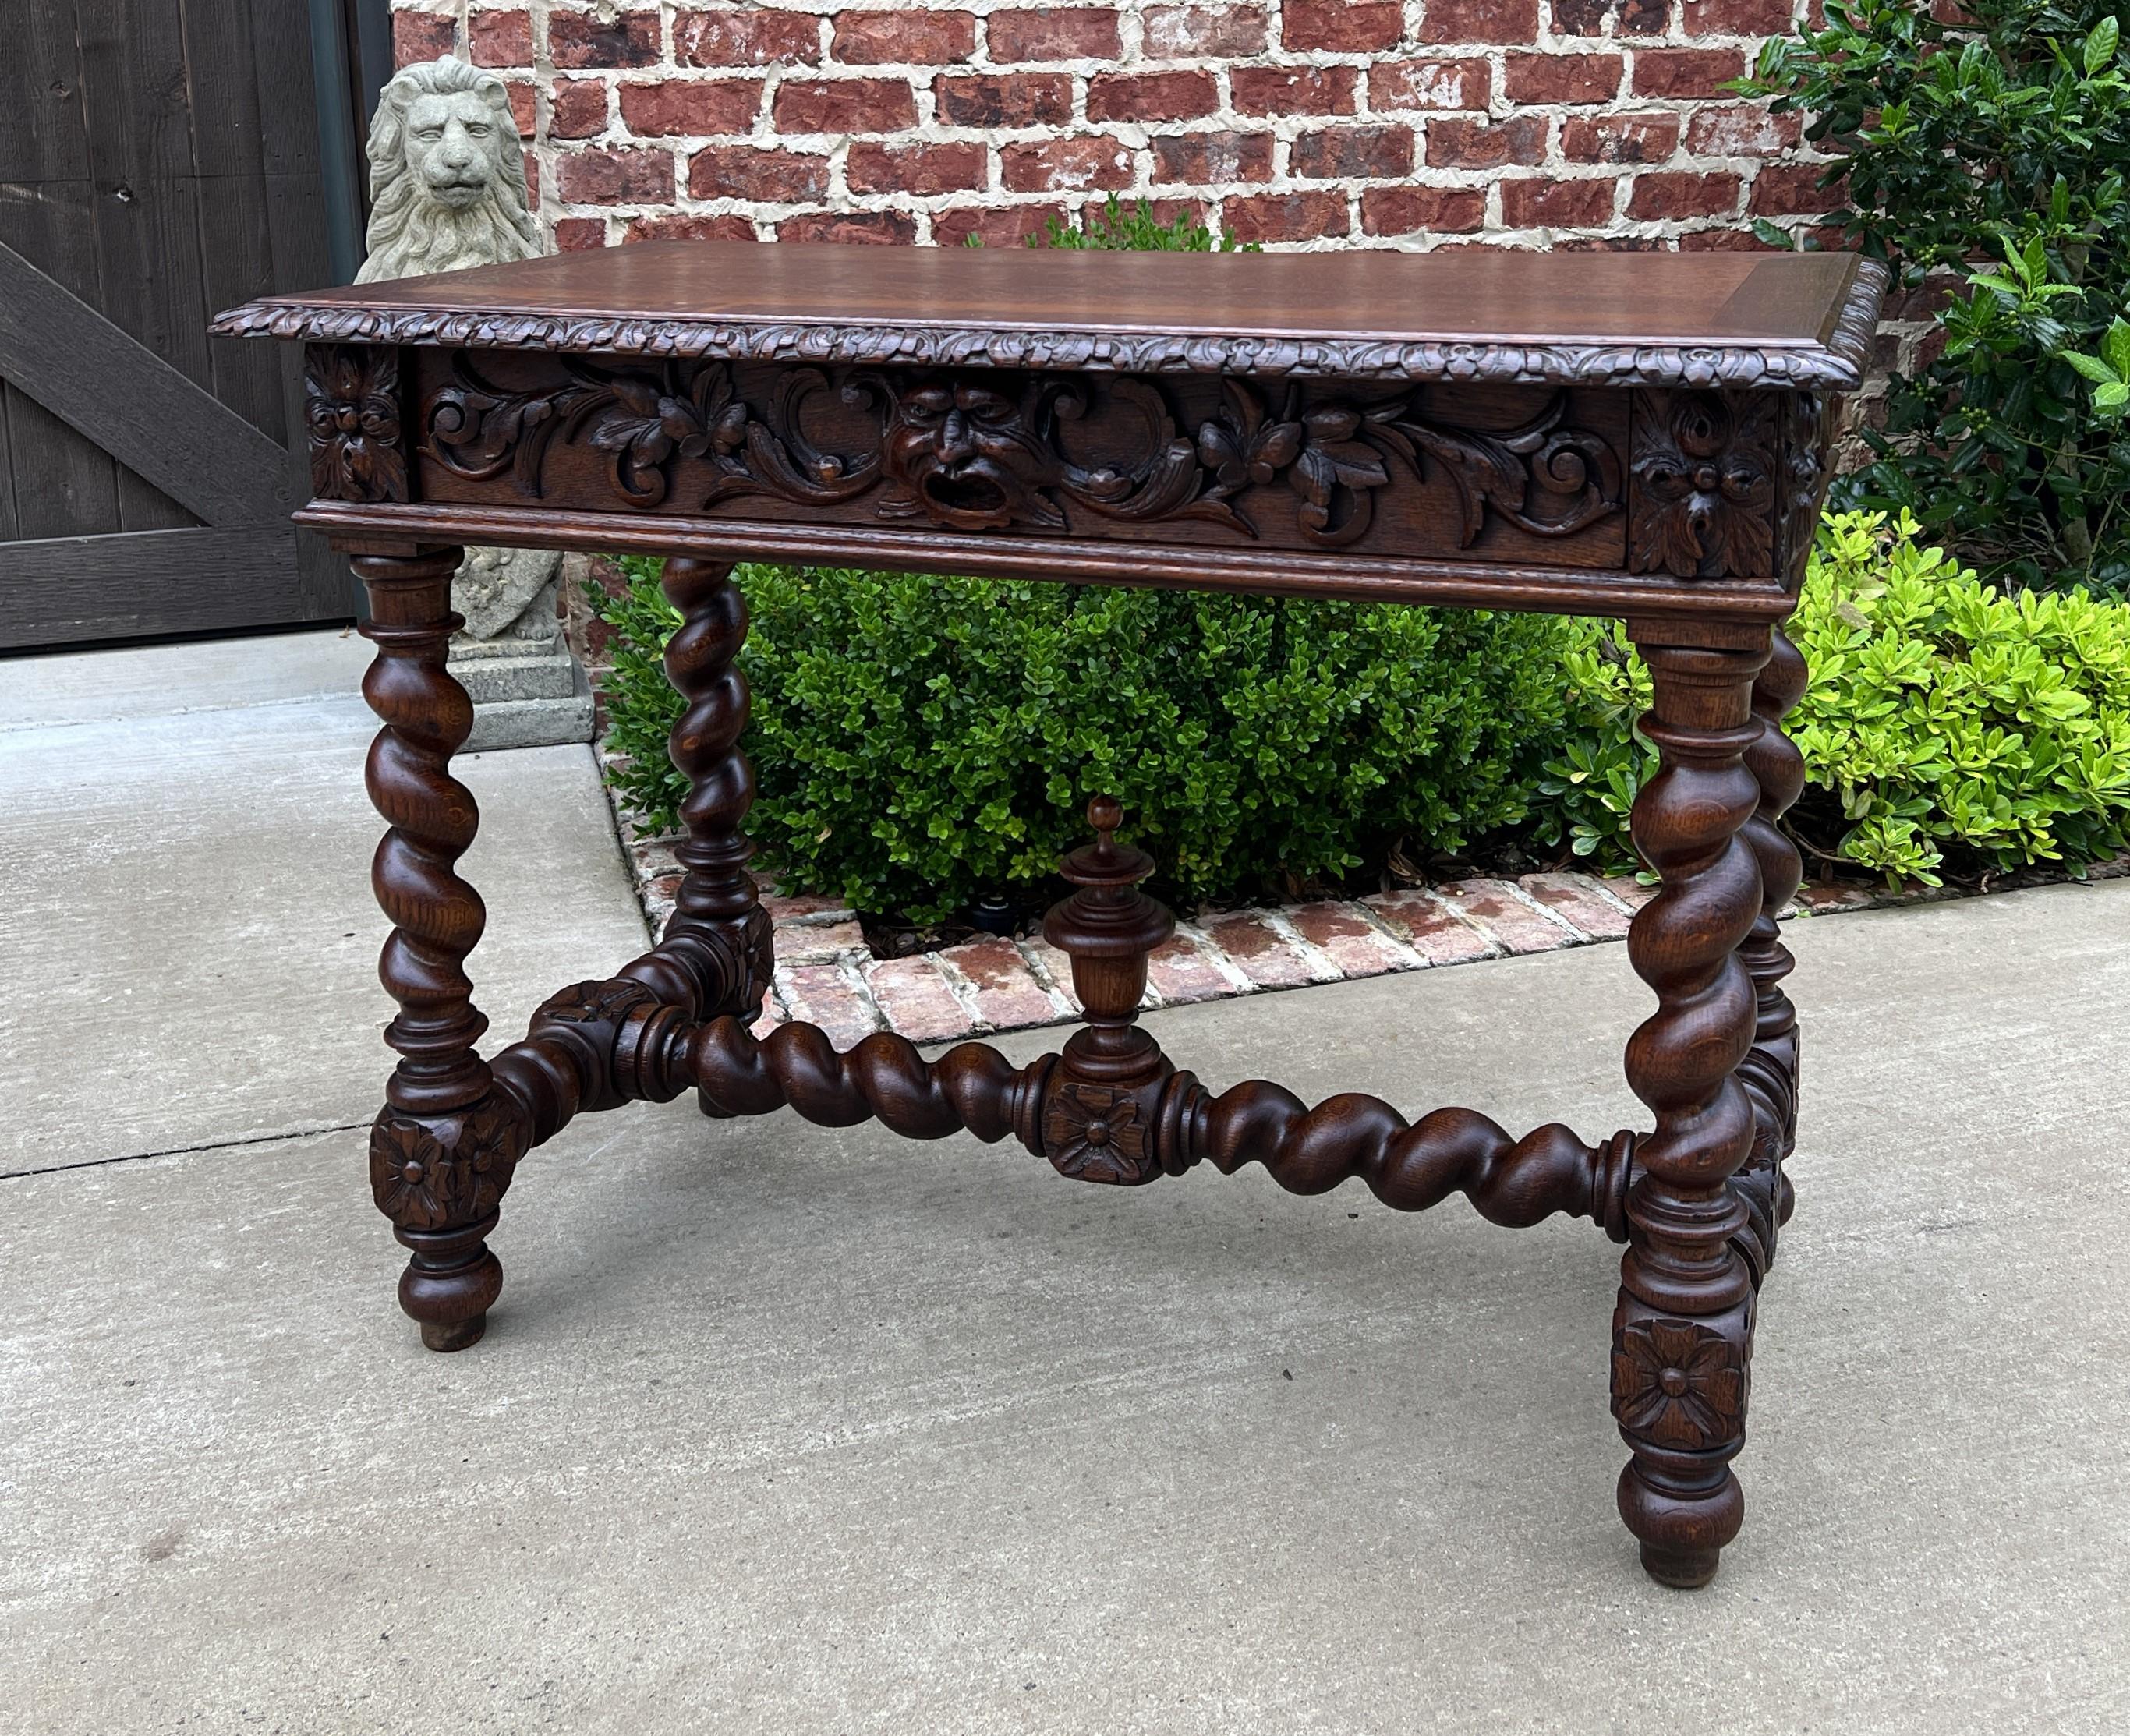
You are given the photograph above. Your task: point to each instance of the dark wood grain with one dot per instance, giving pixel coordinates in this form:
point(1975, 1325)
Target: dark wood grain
point(63, 484)
point(1769, 1073)
point(1515, 475)
point(442, 1149)
point(298, 249)
point(717, 902)
point(145, 215)
point(1691, 318)
point(1376, 578)
point(8, 531)
point(1112, 1108)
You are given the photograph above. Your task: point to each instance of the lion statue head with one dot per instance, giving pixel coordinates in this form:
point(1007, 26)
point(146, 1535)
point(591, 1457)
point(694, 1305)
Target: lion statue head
point(446, 176)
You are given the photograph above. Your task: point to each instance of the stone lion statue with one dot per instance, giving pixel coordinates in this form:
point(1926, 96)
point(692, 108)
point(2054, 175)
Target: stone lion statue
point(447, 175)
point(447, 191)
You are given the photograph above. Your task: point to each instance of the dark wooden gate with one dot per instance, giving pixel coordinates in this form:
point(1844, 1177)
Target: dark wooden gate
point(158, 162)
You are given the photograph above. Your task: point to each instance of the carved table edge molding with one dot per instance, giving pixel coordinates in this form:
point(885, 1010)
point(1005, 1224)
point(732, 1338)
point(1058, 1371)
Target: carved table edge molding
point(1835, 363)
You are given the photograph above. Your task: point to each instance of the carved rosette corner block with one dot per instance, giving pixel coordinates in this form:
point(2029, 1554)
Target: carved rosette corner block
point(1679, 1385)
point(1094, 1132)
point(1679, 1393)
point(1707, 481)
point(351, 410)
point(599, 1025)
point(443, 1172)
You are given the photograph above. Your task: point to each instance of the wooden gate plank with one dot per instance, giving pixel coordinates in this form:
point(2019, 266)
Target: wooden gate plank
point(145, 223)
point(9, 530)
point(134, 404)
point(169, 168)
point(255, 142)
point(236, 243)
point(297, 221)
point(69, 588)
point(65, 485)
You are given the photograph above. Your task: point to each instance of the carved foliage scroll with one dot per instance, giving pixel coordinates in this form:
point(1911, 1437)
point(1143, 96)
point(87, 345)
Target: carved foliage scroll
point(1707, 480)
point(975, 450)
point(642, 420)
point(351, 413)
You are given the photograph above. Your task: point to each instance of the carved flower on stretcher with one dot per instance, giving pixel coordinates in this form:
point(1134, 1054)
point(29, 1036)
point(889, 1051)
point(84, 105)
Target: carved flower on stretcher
point(1676, 1383)
point(1094, 1135)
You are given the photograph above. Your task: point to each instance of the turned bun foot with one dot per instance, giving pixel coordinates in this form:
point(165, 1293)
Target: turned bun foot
point(1682, 1533)
point(1686, 1570)
point(465, 1334)
point(451, 1302)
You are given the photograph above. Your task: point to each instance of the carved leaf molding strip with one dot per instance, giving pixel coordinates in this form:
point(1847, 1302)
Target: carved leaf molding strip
point(981, 452)
point(1837, 363)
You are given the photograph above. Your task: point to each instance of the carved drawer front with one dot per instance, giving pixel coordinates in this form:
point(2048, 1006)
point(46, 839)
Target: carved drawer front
point(1525, 476)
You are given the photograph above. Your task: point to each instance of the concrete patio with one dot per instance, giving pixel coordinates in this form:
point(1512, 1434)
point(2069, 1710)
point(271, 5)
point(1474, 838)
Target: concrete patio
point(785, 1429)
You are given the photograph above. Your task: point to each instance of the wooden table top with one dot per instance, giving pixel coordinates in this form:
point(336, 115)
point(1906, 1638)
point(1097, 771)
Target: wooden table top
point(1657, 318)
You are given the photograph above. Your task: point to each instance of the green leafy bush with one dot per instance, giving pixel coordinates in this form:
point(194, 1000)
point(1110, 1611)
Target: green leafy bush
point(2003, 136)
point(2108, 372)
point(920, 741)
point(1115, 229)
point(1947, 725)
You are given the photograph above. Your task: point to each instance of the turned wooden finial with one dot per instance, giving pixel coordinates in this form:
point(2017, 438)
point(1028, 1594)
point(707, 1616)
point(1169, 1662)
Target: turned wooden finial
point(1105, 814)
point(1102, 1103)
point(1109, 926)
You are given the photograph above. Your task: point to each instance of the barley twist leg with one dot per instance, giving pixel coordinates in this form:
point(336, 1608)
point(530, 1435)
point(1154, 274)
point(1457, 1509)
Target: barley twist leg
point(442, 1150)
point(1682, 1333)
point(1769, 1073)
point(719, 934)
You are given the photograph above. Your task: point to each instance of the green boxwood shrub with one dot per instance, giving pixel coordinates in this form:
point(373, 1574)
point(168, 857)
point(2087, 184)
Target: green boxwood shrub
point(920, 741)
point(1948, 727)
point(1996, 133)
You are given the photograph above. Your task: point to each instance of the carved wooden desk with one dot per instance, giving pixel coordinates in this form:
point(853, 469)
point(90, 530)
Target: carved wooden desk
point(1641, 436)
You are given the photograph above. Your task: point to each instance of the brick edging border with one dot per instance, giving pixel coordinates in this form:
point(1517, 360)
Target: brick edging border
point(826, 974)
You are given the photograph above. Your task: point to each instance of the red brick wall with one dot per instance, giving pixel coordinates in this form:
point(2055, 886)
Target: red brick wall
point(1408, 123)
point(1297, 123)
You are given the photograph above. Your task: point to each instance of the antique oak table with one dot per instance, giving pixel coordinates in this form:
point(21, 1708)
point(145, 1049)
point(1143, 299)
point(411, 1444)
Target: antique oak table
point(1642, 435)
